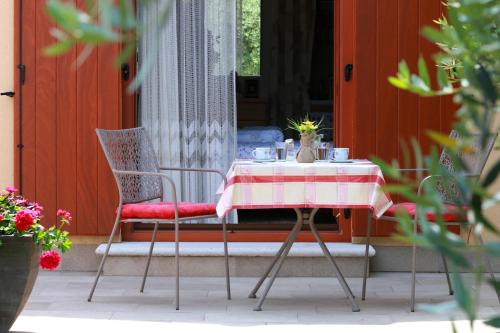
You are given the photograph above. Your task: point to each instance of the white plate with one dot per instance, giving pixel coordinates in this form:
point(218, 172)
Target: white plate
point(264, 161)
point(345, 161)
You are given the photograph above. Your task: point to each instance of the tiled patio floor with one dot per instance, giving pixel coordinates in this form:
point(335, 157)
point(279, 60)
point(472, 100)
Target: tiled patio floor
point(58, 304)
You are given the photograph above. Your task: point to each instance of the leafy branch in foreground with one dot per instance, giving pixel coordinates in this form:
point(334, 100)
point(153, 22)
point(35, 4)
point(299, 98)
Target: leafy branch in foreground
point(104, 22)
point(467, 67)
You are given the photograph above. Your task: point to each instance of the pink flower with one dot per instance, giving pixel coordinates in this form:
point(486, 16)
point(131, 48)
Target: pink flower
point(64, 214)
point(50, 260)
point(11, 189)
point(37, 209)
point(21, 201)
point(24, 220)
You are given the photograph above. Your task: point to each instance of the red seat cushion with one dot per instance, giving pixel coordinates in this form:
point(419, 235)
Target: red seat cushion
point(451, 214)
point(165, 210)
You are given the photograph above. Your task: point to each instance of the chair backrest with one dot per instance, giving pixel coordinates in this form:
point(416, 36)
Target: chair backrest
point(132, 150)
point(474, 160)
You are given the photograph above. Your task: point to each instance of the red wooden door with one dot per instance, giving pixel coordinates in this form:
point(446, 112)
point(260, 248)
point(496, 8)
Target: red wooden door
point(386, 32)
point(58, 108)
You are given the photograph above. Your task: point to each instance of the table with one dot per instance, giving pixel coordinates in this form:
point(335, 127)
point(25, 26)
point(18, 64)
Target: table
point(289, 184)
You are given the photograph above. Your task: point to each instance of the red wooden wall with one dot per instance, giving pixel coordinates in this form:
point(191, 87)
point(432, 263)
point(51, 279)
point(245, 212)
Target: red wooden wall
point(62, 164)
point(387, 31)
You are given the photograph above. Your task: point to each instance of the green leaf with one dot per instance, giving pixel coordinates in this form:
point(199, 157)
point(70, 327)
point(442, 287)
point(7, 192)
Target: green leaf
point(494, 322)
point(462, 295)
point(493, 248)
point(387, 169)
point(58, 48)
point(398, 83)
point(494, 283)
point(492, 174)
point(423, 72)
point(443, 140)
point(404, 70)
point(434, 35)
point(105, 14)
point(486, 83)
point(440, 308)
point(65, 14)
point(442, 78)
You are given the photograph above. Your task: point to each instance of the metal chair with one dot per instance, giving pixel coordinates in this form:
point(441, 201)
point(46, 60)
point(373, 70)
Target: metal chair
point(139, 179)
point(475, 163)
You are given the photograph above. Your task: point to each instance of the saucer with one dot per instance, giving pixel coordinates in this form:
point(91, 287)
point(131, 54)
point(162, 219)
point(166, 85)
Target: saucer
point(264, 161)
point(344, 161)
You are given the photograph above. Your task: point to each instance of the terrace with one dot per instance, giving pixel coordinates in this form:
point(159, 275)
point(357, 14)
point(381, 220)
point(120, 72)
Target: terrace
point(244, 139)
point(297, 304)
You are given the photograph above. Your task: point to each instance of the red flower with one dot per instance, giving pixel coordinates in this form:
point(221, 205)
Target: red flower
point(1, 218)
point(11, 189)
point(64, 214)
point(24, 220)
point(50, 260)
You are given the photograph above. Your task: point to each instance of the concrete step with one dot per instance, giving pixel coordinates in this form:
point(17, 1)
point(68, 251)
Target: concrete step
point(249, 259)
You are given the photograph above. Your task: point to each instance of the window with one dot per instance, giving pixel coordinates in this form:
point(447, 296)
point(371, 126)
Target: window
point(248, 35)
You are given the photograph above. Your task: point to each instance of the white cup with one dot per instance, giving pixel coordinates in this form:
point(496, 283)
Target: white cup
point(340, 154)
point(262, 153)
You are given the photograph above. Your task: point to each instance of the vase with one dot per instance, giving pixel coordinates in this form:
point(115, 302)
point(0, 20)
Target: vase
point(307, 153)
point(19, 258)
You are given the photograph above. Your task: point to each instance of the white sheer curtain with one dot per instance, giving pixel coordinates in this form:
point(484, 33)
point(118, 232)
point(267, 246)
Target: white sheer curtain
point(188, 102)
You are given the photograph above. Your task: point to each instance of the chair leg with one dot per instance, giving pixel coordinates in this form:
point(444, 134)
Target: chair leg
point(450, 288)
point(226, 257)
point(413, 266)
point(151, 246)
point(413, 276)
point(489, 267)
point(103, 260)
point(177, 265)
point(367, 260)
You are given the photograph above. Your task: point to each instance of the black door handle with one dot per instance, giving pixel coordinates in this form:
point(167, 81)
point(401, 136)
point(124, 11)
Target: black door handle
point(8, 93)
point(125, 72)
point(348, 72)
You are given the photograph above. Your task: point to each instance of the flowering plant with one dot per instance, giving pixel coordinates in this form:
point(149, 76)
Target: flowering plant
point(304, 126)
point(19, 218)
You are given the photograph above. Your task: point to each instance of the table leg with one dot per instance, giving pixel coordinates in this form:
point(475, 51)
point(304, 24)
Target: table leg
point(343, 283)
point(294, 231)
point(286, 249)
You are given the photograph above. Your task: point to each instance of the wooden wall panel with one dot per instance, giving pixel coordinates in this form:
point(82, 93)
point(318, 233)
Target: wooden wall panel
point(365, 67)
point(387, 141)
point(109, 116)
point(66, 138)
point(46, 119)
point(408, 49)
point(429, 112)
point(87, 156)
point(386, 32)
point(62, 105)
point(25, 158)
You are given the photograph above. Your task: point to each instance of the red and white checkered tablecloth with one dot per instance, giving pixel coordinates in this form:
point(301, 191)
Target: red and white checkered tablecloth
point(304, 185)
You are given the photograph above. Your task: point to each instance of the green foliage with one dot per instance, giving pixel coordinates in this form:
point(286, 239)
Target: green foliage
point(102, 22)
point(304, 125)
point(249, 38)
point(468, 67)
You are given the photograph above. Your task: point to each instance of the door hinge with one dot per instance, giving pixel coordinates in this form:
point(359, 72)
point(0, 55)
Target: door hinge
point(22, 73)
